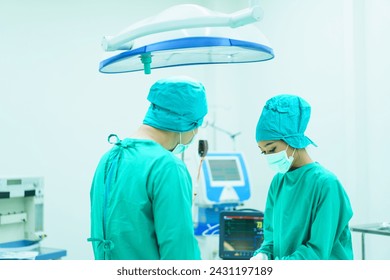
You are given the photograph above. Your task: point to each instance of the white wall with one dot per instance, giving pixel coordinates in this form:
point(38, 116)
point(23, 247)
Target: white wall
point(56, 109)
point(375, 193)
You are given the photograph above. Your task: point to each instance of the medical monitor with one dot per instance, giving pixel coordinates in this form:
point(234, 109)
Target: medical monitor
point(241, 233)
point(225, 170)
point(225, 178)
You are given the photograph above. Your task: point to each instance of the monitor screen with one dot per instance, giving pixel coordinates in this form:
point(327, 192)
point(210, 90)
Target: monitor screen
point(241, 233)
point(224, 179)
point(224, 169)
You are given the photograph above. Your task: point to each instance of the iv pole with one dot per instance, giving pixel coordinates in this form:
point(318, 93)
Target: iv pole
point(231, 135)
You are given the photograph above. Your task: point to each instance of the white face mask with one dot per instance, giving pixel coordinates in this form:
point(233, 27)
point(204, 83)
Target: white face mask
point(279, 161)
point(180, 148)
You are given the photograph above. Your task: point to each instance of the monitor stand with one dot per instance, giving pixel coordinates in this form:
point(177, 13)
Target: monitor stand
point(228, 194)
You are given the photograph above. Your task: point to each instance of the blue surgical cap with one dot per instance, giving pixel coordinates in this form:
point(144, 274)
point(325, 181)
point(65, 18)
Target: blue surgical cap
point(285, 117)
point(177, 104)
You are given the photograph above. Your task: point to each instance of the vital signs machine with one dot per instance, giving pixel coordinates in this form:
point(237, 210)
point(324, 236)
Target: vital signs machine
point(223, 185)
point(225, 180)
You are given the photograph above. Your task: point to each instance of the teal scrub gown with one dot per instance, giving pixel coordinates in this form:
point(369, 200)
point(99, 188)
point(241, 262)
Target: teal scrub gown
point(141, 202)
point(306, 217)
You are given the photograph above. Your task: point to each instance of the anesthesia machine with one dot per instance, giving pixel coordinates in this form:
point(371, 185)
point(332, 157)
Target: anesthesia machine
point(222, 186)
point(22, 220)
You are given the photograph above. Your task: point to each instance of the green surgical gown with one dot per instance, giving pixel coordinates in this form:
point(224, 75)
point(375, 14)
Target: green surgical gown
point(148, 205)
point(306, 216)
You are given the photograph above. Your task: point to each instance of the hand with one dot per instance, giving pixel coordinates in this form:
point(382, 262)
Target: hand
point(259, 256)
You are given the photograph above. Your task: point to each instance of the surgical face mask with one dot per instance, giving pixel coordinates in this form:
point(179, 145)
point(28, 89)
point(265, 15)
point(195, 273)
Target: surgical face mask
point(180, 148)
point(280, 162)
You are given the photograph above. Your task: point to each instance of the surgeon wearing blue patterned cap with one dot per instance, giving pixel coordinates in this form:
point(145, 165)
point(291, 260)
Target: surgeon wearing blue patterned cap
point(307, 211)
point(141, 194)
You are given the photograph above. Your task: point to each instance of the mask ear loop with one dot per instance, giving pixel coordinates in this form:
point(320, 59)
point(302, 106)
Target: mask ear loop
point(193, 136)
point(292, 155)
point(182, 154)
point(293, 152)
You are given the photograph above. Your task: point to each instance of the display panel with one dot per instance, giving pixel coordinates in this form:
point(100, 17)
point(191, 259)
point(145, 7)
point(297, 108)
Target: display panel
point(241, 233)
point(224, 179)
point(224, 170)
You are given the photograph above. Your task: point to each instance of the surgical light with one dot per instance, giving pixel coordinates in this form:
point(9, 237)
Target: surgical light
point(187, 35)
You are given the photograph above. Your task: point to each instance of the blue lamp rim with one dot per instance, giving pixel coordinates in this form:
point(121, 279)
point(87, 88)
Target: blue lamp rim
point(184, 43)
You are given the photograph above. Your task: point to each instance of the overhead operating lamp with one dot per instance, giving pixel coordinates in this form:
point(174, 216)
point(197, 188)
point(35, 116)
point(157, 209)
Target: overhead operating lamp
point(187, 35)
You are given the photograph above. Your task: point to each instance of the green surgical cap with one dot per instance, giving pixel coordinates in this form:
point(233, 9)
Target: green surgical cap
point(177, 104)
point(285, 117)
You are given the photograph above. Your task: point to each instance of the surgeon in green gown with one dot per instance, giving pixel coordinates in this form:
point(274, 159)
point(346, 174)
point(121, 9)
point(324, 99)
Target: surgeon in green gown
point(141, 194)
point(307, 210)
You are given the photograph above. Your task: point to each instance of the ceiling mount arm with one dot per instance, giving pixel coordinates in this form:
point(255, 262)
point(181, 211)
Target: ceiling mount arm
point(124, 40)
